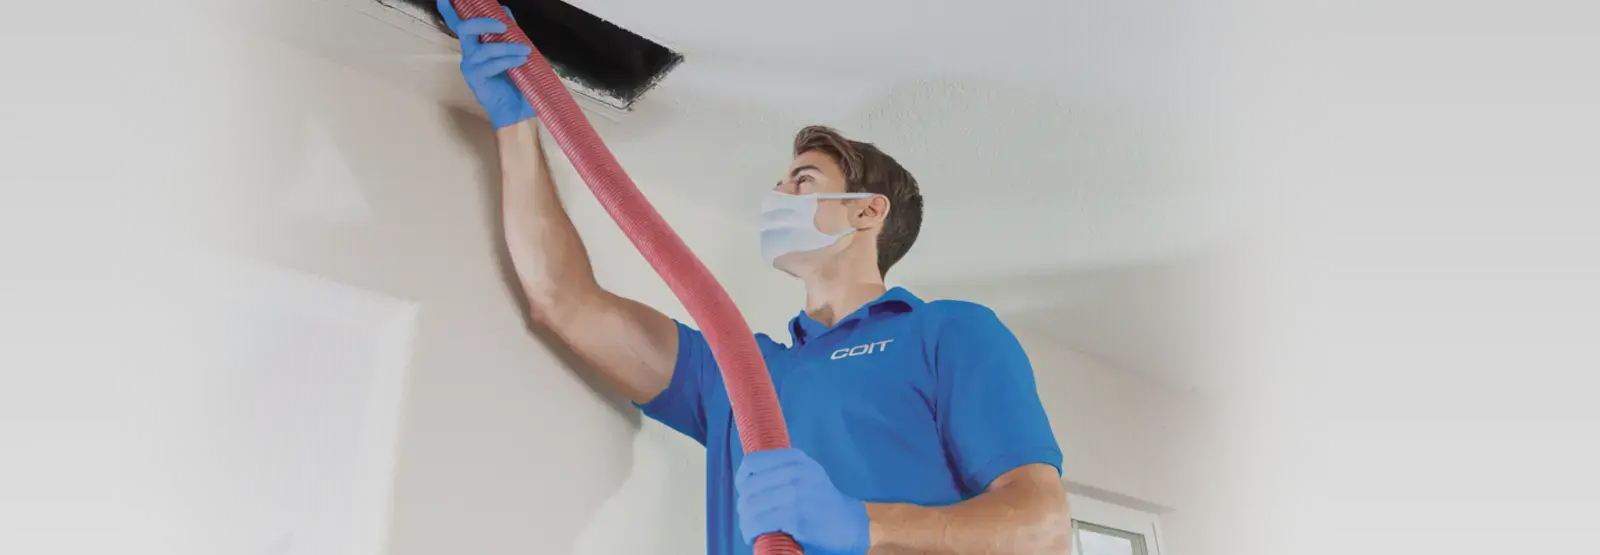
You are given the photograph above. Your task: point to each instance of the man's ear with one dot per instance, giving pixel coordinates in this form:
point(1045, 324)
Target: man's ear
point(871, 213)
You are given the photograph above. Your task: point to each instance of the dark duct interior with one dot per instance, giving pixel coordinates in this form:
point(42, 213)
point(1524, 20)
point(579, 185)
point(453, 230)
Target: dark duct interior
point(585, 49)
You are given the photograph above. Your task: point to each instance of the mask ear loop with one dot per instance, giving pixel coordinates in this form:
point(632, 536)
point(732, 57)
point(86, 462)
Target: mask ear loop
point(841, 196)
point(848, 229)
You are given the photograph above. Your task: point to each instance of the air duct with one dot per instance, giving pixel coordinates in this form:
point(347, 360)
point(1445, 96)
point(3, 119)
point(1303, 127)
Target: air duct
point(596, 60)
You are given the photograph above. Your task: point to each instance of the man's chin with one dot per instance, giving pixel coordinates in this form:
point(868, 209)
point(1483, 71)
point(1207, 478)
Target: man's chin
point(793, 265)
point(787, 269)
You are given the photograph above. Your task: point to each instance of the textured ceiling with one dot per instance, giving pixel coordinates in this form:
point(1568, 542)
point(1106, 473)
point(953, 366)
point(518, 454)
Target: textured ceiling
point(1059, 144)
point(1050, 136)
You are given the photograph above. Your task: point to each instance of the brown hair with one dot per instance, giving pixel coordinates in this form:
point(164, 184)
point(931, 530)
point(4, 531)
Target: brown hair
point(867, 169)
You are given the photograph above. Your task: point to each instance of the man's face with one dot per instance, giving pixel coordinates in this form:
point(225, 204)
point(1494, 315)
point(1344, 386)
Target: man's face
point(812, 173)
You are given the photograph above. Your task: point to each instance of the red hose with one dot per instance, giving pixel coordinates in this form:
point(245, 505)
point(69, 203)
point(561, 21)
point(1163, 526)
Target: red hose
point(744, 371)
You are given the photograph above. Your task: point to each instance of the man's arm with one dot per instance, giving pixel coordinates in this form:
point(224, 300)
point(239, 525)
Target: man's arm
point(631, 346)
point(1024, 511)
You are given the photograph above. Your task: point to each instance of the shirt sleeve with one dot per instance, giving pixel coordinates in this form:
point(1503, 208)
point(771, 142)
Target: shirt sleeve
point(681, 406)
point(988, 409)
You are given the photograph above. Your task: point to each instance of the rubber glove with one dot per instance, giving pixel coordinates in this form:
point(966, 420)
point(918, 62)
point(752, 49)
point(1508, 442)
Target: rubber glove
point(485, 66)
point(785, 490)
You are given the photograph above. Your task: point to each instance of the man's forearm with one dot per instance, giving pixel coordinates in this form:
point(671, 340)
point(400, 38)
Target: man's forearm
point(1025, 514)
point(549, 257)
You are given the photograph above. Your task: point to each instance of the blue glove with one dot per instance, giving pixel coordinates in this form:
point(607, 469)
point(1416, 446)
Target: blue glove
point(784, 490)
point(485, 66)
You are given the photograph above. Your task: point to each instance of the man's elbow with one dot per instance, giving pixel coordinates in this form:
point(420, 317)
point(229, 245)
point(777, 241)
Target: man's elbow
point(1040, 524)
point(1047, 531)
point(1035, 503)
point(1051, 525)
point(1053, 530)
point(553, 304)
point(1060, 538)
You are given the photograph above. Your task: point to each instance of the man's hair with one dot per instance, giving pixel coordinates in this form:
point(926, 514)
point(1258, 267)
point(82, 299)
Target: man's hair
point(867, 169)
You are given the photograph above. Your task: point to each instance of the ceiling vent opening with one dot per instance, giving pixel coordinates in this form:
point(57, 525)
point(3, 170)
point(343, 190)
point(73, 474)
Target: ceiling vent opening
point(595, 58)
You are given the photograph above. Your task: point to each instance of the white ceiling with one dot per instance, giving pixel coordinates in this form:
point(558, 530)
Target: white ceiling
point(1058, 143)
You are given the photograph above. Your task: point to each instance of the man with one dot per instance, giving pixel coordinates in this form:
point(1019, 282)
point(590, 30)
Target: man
point(916, 426)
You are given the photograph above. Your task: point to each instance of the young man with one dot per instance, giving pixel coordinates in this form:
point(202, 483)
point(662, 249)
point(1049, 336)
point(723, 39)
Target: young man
point(916, 426)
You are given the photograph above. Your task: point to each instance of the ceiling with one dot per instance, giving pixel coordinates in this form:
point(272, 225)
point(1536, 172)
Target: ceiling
point(1057, 143)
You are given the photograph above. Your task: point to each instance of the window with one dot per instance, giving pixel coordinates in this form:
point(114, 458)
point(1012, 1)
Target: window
point(1101, 528)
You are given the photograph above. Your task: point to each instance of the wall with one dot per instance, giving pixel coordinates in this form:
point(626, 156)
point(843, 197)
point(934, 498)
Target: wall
point(1126, 438)
point(505, 448)
point(1245, 426)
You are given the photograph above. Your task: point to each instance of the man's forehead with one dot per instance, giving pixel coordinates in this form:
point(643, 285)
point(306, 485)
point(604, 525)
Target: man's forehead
point(814, 159)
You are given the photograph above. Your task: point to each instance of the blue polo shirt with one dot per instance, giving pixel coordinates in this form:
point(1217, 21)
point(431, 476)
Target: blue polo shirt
point(902, 401)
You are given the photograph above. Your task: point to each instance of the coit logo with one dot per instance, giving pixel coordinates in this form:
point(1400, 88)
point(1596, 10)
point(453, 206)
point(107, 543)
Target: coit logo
point(859, 350)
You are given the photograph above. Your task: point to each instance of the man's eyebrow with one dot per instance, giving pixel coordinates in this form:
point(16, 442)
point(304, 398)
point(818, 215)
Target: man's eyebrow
point(796, 171)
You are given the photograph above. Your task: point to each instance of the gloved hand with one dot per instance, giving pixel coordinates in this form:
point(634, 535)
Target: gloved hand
point(784, 490)
point(485, 66)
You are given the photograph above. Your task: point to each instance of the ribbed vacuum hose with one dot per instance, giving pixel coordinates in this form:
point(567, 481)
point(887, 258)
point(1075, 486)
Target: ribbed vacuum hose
point(755, 403)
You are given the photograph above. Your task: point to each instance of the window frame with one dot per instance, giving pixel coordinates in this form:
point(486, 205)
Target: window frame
point(1118, 517)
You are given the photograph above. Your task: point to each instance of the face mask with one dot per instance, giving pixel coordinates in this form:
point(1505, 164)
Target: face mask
point(788, 223)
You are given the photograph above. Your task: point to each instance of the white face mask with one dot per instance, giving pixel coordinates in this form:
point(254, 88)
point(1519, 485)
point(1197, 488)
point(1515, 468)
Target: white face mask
point(788, 223)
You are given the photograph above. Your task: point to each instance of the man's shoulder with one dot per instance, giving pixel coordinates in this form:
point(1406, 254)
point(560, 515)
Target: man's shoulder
point(965, 331)
point(962, 322)
point(768, 345)
point(961, 312)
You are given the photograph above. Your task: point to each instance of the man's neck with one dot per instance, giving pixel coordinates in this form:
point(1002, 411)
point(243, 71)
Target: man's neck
point(830, 298)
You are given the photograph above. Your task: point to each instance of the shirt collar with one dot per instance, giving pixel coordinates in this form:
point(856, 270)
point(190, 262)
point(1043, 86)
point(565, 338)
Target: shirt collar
point(896, 299)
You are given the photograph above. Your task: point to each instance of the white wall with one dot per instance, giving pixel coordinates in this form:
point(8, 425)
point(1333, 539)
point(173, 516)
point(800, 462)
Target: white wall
point(1126, 439)
point(1245, 424)
point(504, 447)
